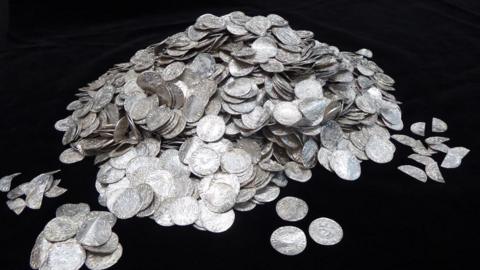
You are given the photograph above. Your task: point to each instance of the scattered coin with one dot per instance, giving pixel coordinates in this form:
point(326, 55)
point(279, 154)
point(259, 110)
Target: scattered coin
point(414, 172)
point(438, 125)
point(288, 240)
point(291, 208)
point(418, 128)
point(6, 181)
point(325, 231)
point(43, 185)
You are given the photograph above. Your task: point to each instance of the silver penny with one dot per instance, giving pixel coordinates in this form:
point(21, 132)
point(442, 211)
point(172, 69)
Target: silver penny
point(325, 231)
point(288, 240)
point(67, 255)
point(291, 208)
point(211, 128)
point(204, 161)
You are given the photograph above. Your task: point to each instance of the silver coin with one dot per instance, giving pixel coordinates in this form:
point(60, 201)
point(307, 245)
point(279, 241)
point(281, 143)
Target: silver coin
point(184, 211)
point(287, 113)
point(215, 222)
point(17, 205)
point(60, 229)
point(288, 240)
point(173, 71)
point(204, 161)
point(345, 165)
point(297, 172)
point(210, 128)
point(235, 161)
point(94, 231)
point(414, 172)
point(291, 208)
point(418, 128)
point(96, 261)
point(454, 157)
point(438, 125)
point(309, 88)
point(325, 231)
point(70, 155)
point(379, 150)
point(124, 203)
point(67, 255)
point(6, 181)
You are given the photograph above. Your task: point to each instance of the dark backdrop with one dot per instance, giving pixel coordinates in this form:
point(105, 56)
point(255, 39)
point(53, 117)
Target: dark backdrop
point(390, 221)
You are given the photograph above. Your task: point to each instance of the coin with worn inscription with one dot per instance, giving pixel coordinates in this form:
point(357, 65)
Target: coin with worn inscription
point(291, 208)
point(325, 231)
point(288, 240)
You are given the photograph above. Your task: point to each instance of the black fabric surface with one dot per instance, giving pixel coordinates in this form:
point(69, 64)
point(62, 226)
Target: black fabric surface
point(390, 221)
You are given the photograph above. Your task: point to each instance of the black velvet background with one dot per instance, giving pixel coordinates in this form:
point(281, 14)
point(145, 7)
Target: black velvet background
point(390, 221)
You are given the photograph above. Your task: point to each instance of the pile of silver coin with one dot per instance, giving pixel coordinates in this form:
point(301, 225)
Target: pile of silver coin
point(221, 116)
point(218, 118)
point(77, 236)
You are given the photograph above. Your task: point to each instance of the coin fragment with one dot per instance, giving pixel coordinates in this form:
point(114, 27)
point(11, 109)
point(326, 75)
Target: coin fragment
point(438, 125)
point(17, 205)
point(413, 172)
point(6, 181)
point(418, 128)
point(454, 157)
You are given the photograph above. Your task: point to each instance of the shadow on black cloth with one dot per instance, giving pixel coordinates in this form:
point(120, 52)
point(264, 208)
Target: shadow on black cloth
point(390, 221)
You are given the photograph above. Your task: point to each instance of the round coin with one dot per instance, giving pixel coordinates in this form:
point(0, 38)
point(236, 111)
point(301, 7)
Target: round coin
point(291, 208)
point(288, 240)
point(325, 231)
point(211, 128)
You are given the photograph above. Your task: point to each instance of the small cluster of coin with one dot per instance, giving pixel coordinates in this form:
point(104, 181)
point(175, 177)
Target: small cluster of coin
point(77, 236)
point(43, 185)
point(291, 240)
point(423, 154)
